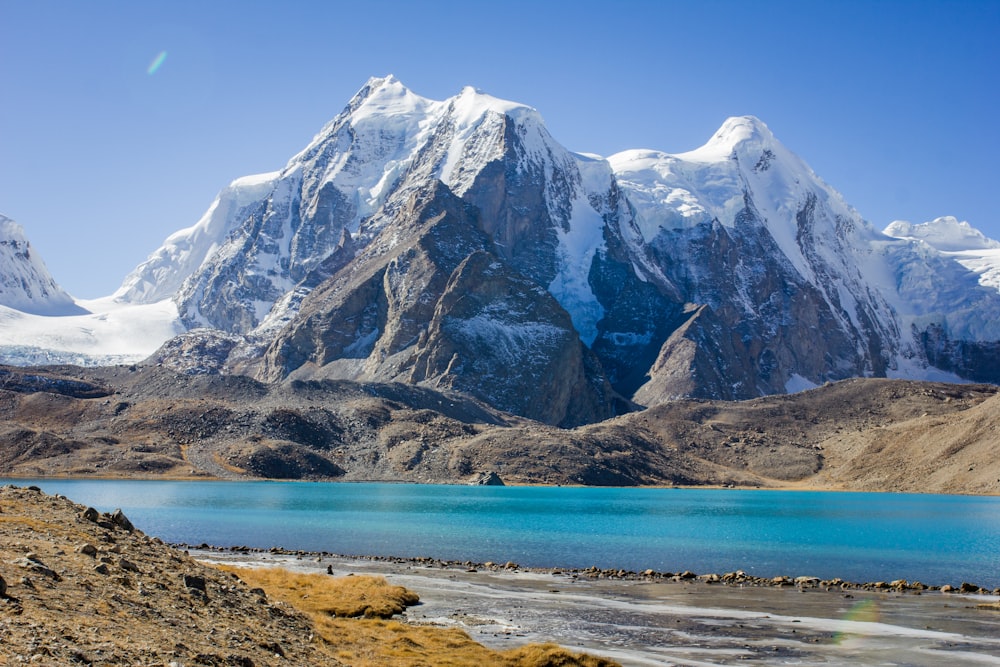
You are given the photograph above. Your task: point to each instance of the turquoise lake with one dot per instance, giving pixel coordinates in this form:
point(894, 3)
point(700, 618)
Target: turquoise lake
point(935, 539)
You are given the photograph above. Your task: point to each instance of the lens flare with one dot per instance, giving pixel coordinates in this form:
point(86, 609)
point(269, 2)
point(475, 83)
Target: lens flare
point(865, 611)
point(157, 62)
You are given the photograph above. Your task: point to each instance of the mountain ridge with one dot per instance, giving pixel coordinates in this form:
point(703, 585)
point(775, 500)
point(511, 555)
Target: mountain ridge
point(703, 274)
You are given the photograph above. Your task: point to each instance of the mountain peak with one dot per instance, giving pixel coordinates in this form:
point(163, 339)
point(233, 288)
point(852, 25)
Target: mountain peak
point(737, 129)
point(25, 283)
point(736, 132)
point(10, 230)
point(376, 82)
point(384, 96)
point(472, 103)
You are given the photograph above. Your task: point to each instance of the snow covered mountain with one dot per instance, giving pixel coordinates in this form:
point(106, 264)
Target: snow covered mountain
point(456, 244)
point(268, 236)
point(743, 226)
point(343, 213)
point(25, 284)
point(811, 289)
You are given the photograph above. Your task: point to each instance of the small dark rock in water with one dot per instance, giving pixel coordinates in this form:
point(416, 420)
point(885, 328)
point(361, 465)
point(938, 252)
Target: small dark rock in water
point(490, 478)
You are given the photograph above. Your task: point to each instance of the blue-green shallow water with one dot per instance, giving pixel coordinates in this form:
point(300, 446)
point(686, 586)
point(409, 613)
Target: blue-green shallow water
point(856, 536)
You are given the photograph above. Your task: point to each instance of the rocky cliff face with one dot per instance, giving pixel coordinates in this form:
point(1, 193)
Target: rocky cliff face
point(429, 303)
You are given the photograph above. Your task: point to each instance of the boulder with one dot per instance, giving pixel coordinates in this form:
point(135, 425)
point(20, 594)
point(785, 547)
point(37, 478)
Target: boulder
point(490, 478)
point(194, 582)
point(119, 519)
point(30, 562)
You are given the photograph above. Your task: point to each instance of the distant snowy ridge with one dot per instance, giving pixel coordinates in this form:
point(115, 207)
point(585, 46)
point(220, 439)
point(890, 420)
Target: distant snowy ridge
point(946, 234)
point(161, 275)
point(25, 284)
point(964, 243)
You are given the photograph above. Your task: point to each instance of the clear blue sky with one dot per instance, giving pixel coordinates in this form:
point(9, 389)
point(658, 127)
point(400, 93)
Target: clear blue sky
point(894, 103)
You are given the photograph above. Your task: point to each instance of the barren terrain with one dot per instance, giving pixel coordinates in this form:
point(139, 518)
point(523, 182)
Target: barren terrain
point(147, 421)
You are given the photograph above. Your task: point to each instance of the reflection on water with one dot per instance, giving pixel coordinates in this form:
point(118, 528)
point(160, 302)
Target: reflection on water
point(855, 536)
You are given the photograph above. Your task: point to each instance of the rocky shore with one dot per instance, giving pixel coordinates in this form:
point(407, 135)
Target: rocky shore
point(658, 618)
point(737, 578)
point(88, 588)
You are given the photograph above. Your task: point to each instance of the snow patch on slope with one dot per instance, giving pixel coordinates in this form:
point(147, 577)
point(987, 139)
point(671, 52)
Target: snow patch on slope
point(797, 383)
point(579, 240)
point(501, 338)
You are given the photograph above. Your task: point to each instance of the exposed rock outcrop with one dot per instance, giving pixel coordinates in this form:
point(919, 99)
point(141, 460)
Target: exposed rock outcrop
point(430, 305)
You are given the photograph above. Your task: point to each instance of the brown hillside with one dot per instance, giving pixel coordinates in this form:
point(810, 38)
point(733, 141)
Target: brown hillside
point(862, 434)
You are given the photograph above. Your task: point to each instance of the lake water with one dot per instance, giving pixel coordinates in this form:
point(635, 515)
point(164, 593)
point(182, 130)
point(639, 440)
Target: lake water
point(856, 536)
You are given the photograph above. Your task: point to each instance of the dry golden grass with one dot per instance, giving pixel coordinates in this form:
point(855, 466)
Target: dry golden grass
point(226, 465)
point(40, 526)
point(336, 603)
point(344, 597)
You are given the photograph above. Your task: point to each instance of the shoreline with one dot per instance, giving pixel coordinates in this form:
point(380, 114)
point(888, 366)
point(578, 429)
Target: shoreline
point(642, 620)
point(879, 567)
point(800, 486)
point(737, 578)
